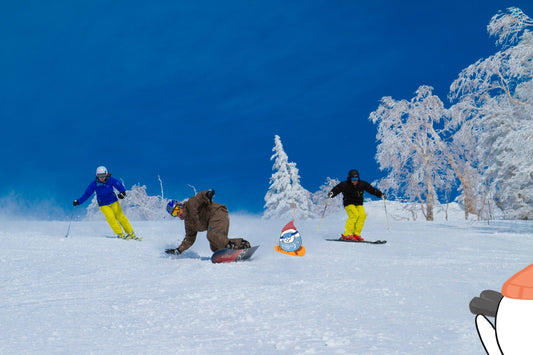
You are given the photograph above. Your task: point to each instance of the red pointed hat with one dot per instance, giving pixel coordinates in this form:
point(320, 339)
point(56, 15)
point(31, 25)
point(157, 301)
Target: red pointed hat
point(520, 285)
point(288, 226)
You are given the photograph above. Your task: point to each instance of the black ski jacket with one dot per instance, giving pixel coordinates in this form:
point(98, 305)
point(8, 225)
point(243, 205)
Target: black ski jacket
point(353, 195)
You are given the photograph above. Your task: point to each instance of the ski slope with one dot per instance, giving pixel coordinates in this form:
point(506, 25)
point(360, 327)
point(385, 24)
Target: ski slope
point(89, 294)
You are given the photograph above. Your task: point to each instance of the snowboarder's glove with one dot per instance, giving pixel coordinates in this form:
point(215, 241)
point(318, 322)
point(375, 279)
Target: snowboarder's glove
point(383, 196)
point(75, 203)
point(330, 194)
point(121, 195)
point(210, 194)
point(173, 251)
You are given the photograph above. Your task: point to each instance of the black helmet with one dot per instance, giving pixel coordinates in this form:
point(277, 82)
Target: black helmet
point(353, 175)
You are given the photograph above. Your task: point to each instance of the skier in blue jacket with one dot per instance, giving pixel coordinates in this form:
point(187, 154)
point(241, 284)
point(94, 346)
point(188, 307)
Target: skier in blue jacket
point(104, 186)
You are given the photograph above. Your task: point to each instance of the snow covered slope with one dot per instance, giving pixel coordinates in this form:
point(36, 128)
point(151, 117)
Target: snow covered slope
point(92, 294)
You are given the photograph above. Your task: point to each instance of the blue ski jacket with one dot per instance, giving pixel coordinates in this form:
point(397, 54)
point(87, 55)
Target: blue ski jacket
point(105, 195)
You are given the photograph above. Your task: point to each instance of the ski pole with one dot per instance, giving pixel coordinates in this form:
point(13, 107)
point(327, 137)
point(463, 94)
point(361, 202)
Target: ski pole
point(386, 214)
point(323, 213)
point(69, 223)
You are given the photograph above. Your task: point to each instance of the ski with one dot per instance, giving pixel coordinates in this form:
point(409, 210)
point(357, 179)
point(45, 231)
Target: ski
point(117, 237)
point(358, 241)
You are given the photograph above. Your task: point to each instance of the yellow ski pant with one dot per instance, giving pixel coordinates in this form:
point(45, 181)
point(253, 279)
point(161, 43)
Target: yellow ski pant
point(355, 221)
point(114, 215)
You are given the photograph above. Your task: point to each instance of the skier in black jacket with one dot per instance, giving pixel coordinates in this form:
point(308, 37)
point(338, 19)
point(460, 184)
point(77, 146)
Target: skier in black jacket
point(352, 190)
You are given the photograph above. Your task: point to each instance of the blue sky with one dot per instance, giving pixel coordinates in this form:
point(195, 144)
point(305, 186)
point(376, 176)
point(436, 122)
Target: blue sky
point(195, 91)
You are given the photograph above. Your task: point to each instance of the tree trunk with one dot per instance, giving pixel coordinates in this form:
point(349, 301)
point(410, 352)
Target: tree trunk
point(430, 204)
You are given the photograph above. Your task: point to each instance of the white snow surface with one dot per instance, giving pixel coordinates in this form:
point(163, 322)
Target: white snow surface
point(89, 294)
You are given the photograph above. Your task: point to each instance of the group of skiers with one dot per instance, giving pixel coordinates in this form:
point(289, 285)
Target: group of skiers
point(200, 213)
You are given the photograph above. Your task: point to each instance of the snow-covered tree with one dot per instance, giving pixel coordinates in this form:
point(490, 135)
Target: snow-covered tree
point(286, 198)
point(484, 138)
point(137, 206)
point(462, 137)
point(411, 149)
point(494, 112)
point(320, 198)
point(508, 25)
point(300, 196)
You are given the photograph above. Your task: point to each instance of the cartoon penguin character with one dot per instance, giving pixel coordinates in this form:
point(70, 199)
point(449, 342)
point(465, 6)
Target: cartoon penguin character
point(290, 239)
point(513, 312)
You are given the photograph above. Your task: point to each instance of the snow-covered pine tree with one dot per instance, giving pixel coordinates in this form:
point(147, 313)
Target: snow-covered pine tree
point(286, 198)
point(301, 198)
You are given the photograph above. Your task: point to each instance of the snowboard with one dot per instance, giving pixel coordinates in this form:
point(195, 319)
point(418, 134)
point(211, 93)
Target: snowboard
point(231, 255)
point(358, 241)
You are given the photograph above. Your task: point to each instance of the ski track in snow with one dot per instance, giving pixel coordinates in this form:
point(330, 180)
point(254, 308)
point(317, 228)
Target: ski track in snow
point(91, 294)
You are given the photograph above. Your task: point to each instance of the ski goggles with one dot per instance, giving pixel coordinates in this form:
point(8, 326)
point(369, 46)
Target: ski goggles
point(355, 178)
point(101, 176)
point(176, 210)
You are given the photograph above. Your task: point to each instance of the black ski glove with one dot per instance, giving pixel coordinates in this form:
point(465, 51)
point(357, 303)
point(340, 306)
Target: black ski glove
point(330, 194)
point(210, 194)
point(173, 251)
point(121, 195)
point(383, 196)
point(75, 203)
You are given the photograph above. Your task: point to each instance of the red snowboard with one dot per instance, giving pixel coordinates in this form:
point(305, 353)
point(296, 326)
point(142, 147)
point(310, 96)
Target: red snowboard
point(231, 255)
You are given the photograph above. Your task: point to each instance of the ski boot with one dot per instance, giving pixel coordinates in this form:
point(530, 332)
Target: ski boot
point(133, 236)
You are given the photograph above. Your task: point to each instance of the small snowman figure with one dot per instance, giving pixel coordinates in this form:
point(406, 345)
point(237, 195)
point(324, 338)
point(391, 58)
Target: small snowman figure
point(513, 312)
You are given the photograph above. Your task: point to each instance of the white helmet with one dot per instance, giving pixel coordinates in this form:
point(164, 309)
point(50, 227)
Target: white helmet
point(101, 170)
